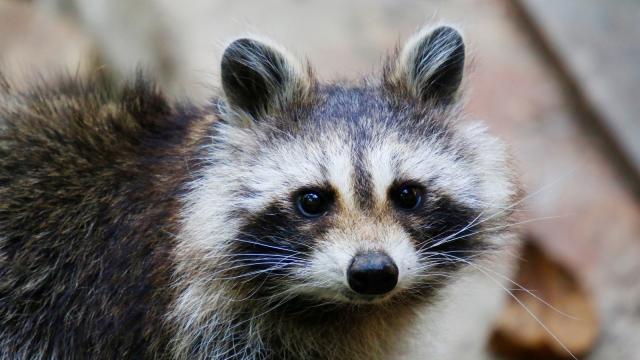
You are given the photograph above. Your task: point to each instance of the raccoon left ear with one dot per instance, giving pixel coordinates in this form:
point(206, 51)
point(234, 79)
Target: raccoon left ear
point(259, 77)
point(430, 65)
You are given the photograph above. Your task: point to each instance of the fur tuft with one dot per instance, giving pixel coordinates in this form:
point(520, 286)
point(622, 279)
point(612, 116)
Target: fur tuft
point(429, 67)
point(260, 78)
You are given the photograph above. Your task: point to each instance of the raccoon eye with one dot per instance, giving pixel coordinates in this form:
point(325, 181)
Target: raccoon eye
point(312, 204)
point(408, 197)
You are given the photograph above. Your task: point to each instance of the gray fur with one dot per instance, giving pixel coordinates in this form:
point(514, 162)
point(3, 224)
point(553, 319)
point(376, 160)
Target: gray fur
point(139, 228)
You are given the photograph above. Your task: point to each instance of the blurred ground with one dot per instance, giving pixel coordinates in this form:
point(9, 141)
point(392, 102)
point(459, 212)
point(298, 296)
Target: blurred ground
point(574, 139)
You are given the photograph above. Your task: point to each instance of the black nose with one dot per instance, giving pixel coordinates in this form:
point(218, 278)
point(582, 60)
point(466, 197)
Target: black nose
point(372, 273)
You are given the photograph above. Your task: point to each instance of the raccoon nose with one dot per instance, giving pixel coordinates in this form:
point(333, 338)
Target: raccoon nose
point(372, 273)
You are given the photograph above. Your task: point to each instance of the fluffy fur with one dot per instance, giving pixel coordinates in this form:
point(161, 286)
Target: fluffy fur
point(133, 227)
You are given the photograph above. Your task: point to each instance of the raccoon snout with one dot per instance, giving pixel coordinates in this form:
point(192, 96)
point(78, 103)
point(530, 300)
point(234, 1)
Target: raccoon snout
point(372, 273)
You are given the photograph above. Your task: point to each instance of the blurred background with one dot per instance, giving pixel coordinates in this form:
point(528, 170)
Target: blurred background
point(558, 80)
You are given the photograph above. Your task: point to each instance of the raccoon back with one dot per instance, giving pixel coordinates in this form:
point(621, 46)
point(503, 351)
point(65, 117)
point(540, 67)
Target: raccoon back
point(90, 179)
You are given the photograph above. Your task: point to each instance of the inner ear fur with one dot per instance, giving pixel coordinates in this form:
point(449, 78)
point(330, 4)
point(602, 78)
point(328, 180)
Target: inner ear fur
point(259, 77)
point(429, 67)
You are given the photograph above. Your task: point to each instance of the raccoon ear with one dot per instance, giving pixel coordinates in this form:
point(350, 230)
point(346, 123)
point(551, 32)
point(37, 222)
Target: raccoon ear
point(258, 78)
point(430, 65)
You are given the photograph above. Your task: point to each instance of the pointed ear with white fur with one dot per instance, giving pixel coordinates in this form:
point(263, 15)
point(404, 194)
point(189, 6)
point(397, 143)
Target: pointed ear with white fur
point(430, 65)
point(259, 78)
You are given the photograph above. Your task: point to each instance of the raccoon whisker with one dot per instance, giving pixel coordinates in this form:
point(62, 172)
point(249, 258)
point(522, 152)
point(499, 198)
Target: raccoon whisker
point(495, 228)
point(438, 254)
point(465, 228)
point(429, 256)
point(484, 251)
point(306, 245)
point(451, 276)
point(452, 258)
point(280, 301)
point(234, 256)
point(272, 267)
point(520, 201)
point(475, 221)
point(433, 265)
point(506, 208)
point(246, 277)
point(275, 266)
point(435, 260)
point(431, 261)
point(290, 260)
point(256, 273)
point(276, 238)
point(480, 253)
point(488, 230)
point(254, 256)
point(256, 289)
point(268, 246)
point(485, 271)
point(251, 295)
point(444, 259)
point(535, 193)
point(520, 287)
point(229, 337)
point(265, 259)
point(430, 265)
point(430, 269)
point(261, 258)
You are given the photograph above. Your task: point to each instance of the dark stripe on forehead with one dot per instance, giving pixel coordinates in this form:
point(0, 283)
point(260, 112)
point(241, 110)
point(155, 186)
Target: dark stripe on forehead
point(362, 181)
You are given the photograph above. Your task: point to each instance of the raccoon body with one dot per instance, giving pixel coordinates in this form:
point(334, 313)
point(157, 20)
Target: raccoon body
point(288, 219)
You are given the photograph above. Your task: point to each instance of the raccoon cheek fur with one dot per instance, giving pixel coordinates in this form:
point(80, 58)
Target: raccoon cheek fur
point(289, 219)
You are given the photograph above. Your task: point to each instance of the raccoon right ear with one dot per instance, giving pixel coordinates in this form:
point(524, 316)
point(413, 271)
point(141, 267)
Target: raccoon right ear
point(259, 78)
point(430, 66)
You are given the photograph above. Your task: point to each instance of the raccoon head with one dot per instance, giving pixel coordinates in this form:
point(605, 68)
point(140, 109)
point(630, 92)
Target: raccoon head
point(343, 194)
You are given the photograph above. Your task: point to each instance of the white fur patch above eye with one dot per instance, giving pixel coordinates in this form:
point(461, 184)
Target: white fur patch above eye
point(340, 172)
point(380, 162)
point(277, 171)
point(425, 162)
point(441, 170)
point(497, 185)
point(280, 171)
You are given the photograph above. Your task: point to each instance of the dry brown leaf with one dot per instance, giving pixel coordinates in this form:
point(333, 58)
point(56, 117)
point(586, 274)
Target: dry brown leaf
point(517, 335)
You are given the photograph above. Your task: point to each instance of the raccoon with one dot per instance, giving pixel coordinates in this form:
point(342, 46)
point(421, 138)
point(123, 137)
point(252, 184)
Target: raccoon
point(286, 219)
